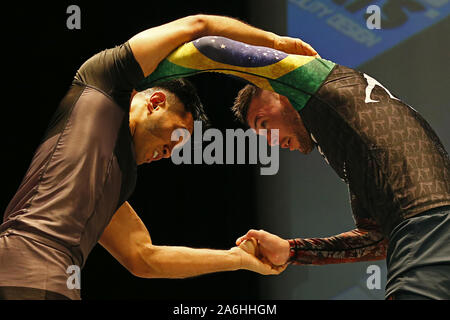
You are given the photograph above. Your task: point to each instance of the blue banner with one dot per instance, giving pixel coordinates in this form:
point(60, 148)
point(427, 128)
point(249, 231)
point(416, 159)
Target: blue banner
point(343, 31)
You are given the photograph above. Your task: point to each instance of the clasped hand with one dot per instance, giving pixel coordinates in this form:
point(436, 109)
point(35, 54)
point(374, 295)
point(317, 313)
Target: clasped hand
point(263, 252)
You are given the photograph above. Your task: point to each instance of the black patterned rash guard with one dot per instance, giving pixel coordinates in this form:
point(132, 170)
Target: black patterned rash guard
point(392, 160)
point(82, 172)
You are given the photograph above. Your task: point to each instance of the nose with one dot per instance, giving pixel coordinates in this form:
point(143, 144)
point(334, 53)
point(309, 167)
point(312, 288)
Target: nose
point(273, 137)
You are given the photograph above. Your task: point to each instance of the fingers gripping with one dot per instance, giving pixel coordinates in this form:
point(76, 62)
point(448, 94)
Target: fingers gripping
point(256, 234)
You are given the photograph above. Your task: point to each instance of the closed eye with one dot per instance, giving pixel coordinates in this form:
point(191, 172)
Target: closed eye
point(260, 124)
point(263, 124)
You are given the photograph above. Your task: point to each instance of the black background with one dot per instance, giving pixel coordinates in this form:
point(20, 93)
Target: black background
point(188, 205)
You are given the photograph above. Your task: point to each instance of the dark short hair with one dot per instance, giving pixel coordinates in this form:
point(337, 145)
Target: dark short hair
point(187, 94)
point(242, 102)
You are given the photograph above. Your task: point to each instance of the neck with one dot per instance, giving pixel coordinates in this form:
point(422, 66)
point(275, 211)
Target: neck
point(137, 107)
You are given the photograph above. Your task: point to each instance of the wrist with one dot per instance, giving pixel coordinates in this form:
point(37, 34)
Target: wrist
point(276, 41)
point(236, 255)
point(199, 25)
point(292, 251)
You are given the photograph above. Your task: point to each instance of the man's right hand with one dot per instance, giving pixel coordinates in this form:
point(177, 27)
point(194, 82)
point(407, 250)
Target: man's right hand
point(251, 260)
point(270, 246)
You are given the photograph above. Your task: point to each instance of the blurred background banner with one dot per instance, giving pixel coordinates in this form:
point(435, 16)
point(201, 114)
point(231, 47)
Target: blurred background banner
point(339, 28)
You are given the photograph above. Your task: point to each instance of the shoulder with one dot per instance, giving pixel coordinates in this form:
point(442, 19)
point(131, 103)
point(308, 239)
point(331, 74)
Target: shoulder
point(113, 71)
point(103, 62)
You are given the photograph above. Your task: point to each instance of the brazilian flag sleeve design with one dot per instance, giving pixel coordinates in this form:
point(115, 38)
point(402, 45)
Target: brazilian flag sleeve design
point(294, 76)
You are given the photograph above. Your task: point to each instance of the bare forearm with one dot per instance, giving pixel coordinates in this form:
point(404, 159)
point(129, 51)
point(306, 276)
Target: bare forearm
point(151, 46)
point(128, 240)
point(183, 262)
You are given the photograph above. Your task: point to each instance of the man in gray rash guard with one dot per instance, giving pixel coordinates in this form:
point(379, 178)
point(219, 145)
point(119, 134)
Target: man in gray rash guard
point(75, 190)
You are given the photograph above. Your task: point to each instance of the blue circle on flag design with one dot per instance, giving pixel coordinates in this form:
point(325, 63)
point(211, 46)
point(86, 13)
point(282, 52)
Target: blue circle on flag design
point(237, 53)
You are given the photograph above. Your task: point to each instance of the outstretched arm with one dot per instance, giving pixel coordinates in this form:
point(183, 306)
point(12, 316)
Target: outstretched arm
point(353, 246)
point(128, 240)
point(361, 244)
point(151, 46)
point(365, 243)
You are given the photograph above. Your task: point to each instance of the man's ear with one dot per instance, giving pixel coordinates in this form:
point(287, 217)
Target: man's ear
point(157, 98)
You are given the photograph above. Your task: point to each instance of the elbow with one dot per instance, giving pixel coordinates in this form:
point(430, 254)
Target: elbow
point(198, 24)
point(144, 274)
point(143, 265)
point(140, 273)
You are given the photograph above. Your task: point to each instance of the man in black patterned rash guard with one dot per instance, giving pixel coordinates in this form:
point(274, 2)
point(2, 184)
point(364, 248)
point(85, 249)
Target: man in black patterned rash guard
point(74, 193)
point(396, 168)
